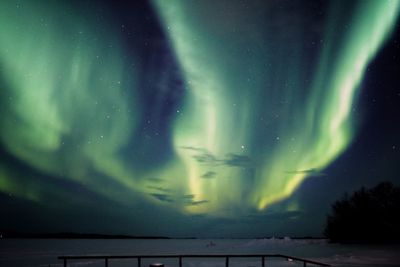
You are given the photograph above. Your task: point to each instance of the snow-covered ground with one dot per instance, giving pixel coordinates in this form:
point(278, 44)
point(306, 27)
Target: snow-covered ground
point(20, 252)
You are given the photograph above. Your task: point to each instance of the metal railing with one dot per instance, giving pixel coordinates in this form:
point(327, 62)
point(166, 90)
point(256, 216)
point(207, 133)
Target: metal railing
point(180, 258)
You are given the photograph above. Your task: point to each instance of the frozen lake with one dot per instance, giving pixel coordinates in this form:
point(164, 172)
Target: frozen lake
point(44, 252)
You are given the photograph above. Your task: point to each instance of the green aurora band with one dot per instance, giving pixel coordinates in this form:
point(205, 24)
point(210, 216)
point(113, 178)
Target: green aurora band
point(256, 120)
point(64, 109)
point(222, 109)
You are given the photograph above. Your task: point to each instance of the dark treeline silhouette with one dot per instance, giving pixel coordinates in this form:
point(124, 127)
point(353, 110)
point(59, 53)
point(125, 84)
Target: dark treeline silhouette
point(367, 216)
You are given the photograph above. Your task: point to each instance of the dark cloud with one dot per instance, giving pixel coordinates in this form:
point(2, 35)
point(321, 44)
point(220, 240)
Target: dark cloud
point(230, 160)
point(209, 175)
point(188, 200)
point(159, 188)
point(202, 155)
point(235, 160)
point(206, 158)
point(163, 197)
point(197, 203)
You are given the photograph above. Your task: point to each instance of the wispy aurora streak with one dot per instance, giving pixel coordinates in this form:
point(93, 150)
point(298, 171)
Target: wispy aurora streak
point(65, 111)
point(257, 116)
point(222, 111)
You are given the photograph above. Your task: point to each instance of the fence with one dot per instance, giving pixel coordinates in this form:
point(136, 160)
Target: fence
point(263, 258)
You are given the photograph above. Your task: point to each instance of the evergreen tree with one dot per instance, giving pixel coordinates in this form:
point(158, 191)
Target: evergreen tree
point(367, 216)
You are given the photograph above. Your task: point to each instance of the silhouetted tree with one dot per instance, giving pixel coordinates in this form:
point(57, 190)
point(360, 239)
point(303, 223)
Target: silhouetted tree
point(367, 216)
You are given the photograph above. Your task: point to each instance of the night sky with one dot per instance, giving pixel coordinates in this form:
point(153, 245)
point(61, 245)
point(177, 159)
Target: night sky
point(194, 118)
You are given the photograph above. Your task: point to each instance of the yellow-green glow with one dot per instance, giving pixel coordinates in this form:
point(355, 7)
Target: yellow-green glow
point(68, 110)
point(321, 128)
point(260, 111)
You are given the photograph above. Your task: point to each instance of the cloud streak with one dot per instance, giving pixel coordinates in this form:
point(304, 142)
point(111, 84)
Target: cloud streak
point(209, 175)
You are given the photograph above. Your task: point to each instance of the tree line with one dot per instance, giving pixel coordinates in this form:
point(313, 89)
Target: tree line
point(366, 216)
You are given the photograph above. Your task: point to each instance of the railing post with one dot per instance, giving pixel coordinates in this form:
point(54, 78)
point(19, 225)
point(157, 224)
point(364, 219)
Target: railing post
point(264, 258)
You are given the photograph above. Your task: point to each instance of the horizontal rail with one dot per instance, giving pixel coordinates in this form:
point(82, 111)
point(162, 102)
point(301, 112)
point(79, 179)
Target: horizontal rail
point(139, 258)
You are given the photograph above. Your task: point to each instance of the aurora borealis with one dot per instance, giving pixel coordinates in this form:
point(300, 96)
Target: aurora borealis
point(204, 111)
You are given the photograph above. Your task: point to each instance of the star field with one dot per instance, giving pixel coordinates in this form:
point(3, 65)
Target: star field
point(205, 111)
